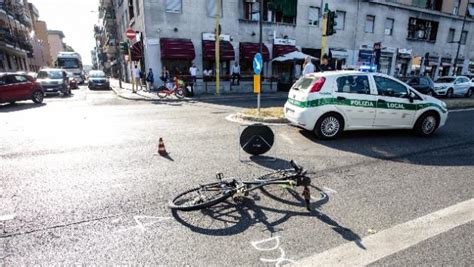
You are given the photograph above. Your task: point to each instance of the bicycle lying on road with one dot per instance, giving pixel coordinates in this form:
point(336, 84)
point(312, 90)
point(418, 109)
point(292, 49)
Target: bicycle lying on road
point(213, 193)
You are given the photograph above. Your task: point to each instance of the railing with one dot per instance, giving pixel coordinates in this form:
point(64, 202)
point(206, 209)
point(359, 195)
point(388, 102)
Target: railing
point(19, 42)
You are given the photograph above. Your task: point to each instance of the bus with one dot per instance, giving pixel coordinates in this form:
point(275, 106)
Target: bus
point(71, 62)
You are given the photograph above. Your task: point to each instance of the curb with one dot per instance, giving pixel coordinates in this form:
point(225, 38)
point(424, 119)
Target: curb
point(247, 120)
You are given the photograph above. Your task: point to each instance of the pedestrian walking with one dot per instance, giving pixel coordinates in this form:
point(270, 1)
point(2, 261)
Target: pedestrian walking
point(308, 66)
point(236, 73)
point(138, 80)
point(150, 79)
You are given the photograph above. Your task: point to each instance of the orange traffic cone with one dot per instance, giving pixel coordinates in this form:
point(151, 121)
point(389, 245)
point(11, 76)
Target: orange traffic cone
point(161, 148)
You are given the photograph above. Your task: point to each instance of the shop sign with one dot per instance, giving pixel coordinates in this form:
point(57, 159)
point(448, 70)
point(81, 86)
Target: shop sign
point(339, 53)
point(282, 41)
point(212, 37)
point(153, 41)
point(405, 51)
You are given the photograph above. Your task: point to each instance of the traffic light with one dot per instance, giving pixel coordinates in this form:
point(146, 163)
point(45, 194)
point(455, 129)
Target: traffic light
point(331, 23)
point(124, 48)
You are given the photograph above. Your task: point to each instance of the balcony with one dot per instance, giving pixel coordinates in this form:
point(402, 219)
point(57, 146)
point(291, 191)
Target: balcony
point(19, 41)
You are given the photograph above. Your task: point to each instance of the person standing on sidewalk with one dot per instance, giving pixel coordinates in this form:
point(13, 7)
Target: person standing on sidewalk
point(137, 76)
point(150, 79)
point(236, 73)
point(193, 72)
point(308, 66)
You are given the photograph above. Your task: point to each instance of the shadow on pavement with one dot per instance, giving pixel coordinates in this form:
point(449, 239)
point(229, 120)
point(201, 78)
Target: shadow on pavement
point(19, 107)
point(441, 149)
point(227, 218)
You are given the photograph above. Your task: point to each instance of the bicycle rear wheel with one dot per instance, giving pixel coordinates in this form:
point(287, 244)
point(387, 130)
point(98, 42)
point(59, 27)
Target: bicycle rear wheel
point(201, 197)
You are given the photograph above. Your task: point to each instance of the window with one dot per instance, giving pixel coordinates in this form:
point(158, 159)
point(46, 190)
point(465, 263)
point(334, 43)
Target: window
point(369, 24)
point(389, 87)
point(423, 30)
point(358, 84)
point(313, 16)
point(276, 11)
point(456, 5)
point(463, 37)
point(424, 82)
point(137, 7)
point(20, 79)
point(174, 6)
point(251, 10)
point(429, 4)
point(340, 20)
point(451, 34)
point(389, 26)
point(212, 8)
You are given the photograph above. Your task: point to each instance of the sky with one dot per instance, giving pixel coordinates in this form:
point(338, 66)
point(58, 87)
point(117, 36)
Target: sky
point(76, 18)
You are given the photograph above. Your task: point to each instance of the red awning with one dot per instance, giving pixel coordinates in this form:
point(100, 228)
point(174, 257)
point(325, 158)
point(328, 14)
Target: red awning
point(248, 51)
point(136, 51)
point(177, 49)
point(209, 50)
point(280, 50)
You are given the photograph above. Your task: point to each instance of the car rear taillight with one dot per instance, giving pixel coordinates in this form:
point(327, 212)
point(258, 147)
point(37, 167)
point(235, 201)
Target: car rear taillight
point(318, 85)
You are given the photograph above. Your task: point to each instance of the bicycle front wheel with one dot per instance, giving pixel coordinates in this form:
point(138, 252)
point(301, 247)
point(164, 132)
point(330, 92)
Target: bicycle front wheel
point(179, 93)
point(201, 197)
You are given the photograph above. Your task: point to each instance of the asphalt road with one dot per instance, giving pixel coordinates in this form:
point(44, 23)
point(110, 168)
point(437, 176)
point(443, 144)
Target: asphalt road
point(79, 183)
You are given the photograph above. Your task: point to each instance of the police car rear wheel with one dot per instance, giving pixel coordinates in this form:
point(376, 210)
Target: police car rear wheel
point(427, 124)
point(329, 126)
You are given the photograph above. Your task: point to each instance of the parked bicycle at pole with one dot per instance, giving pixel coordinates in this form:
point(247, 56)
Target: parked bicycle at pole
point(214, 193)
point(176, 88)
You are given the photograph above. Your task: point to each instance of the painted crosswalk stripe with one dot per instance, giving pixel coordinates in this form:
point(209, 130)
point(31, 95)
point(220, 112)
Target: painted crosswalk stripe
point(395, 239)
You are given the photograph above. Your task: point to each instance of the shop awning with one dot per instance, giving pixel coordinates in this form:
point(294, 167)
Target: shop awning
point(248, 51)
point(209, 50)
point(177, 49)
point(137, 51)
point(279, 50)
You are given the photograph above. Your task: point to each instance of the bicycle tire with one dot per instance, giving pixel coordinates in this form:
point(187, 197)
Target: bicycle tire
point(179, 93)
point(223, 194)
point(162, 94)
point(275, 176)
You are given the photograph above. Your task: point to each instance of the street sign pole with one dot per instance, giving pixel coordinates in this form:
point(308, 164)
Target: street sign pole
point(131, 35)
point(217, 43)
point(260, 18)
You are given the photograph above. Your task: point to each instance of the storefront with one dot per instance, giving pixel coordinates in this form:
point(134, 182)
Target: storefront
point(177, 55)
point(247, 52)
point(226, 53)
point(402, 66)
point(386, 59)
point(471, 65)
point(285, 71)
point(445, 66)
point(459, 66)
point(339, 57)
point(432, 67)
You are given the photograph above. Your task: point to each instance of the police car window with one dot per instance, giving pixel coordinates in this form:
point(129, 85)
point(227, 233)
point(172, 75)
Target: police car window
point(356, 84)
point(389, 87)
point(304, 83)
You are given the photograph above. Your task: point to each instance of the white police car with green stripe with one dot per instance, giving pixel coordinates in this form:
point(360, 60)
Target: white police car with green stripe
point(330, 102)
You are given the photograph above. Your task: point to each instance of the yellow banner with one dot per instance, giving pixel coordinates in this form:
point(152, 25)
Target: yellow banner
point(256, 84)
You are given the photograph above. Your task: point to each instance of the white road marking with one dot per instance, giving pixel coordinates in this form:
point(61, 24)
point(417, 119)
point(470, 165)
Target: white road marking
point(395, 239)
point(276, 239)
point(329, 191)
point(7, 217)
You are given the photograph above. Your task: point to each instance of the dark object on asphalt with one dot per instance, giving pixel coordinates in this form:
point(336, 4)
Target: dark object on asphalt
point(211, 194)
point(257, 139)
point(423, 85)
point(18, 87)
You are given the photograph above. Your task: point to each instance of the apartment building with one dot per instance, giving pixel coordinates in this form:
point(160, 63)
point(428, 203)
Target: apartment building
point(15, 26)
point(174, 33)
point(56, 44)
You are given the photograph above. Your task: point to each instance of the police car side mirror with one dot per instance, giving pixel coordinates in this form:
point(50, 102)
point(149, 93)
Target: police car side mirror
point(411, 96)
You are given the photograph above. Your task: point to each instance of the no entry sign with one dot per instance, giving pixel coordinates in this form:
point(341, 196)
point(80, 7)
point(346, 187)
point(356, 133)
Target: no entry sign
point(131, 34)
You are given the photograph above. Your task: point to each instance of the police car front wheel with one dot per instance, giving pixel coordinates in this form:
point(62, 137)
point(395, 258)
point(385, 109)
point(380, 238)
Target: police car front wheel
point(427, 124)
point(329, 126)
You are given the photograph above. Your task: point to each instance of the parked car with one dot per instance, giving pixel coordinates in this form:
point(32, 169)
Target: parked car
point(98, 80)
point(423, 85)
point(54, 81)
point(73, 81)
point(17, 87)
point(334, 101)
point(450, 86)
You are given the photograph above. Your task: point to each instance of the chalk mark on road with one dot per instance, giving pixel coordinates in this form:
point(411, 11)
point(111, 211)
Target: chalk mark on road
point(278, 261)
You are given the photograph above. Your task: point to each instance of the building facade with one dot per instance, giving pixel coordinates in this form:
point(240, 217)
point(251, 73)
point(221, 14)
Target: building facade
point(41, 31)
point(40, 46)
point(174, 33)
point(56, 44)
point(15, 45)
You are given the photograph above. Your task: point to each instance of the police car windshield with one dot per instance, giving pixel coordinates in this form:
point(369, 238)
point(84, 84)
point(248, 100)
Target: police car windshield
point(304, 83)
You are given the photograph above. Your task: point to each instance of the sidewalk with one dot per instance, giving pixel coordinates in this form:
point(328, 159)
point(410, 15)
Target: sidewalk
point(143, 95)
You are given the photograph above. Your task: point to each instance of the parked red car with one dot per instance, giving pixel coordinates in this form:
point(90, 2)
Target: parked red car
point(18, 87)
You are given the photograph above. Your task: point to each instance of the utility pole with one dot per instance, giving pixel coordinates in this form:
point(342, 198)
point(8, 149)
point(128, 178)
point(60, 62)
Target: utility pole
point(324, 38)
point(217, 43)
point(459, 43)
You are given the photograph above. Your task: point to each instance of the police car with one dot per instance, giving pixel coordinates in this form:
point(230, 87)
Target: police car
point(330, 102)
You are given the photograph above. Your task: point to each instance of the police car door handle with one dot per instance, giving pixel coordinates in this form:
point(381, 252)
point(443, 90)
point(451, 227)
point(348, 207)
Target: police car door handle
point(341, 98)
point(381, 101)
